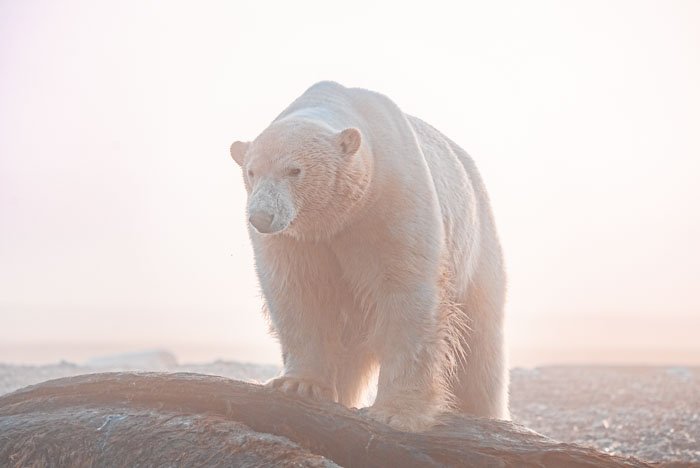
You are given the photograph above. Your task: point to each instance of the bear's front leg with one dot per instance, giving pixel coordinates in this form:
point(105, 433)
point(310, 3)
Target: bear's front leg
point(299, 282)
point(308, 336)
point(411, 390)
point(307, 339)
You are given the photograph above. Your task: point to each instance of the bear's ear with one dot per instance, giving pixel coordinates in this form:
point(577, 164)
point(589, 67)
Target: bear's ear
point(238, 151)
point(349, 141)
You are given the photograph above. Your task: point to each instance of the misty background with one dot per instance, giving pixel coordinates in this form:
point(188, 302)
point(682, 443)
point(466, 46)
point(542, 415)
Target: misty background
point(122, 222)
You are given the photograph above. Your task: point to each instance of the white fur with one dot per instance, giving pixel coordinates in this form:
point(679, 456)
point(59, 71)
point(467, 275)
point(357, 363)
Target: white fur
point(384, 256)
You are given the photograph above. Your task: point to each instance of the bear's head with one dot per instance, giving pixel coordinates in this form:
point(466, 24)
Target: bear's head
point(303, 178)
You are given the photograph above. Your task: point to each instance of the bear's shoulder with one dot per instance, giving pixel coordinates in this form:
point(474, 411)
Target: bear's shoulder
point(326, 85)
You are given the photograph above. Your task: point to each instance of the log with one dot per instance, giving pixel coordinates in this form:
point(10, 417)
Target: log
point(183, 419)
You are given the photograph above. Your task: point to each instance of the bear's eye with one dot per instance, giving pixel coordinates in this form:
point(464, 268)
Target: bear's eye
point(250, 174)
point(294, 172)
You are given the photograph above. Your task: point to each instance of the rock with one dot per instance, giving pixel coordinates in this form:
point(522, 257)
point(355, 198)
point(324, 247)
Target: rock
point(190, 419)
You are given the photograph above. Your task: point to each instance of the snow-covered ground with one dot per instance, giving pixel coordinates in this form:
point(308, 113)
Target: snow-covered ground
point(652, 413)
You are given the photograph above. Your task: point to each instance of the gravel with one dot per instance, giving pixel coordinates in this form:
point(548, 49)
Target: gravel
point(652, 413)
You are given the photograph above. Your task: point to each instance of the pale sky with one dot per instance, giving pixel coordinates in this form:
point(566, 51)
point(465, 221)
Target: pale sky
point(122, 216)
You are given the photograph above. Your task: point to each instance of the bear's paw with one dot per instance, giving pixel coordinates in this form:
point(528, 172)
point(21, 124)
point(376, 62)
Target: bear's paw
point(304, 387)
point(406, 420)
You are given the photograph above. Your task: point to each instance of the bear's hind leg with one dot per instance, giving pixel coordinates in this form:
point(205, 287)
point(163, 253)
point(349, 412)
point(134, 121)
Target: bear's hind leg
point(481, 382)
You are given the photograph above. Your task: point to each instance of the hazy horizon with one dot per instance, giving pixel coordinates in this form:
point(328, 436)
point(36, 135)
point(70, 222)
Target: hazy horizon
point(122, 216)
point(556, 341)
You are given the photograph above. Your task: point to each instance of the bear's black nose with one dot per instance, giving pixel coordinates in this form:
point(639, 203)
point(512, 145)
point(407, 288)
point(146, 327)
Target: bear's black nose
point(262, 221)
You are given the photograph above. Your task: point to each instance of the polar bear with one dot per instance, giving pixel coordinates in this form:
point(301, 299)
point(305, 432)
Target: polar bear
point(376, 249)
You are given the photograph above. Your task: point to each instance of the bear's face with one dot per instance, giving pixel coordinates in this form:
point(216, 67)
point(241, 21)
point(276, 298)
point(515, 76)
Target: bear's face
point(292, 173)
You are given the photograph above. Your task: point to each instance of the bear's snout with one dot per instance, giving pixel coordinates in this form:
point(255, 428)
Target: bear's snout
point(262, 221)
point(270, 206)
